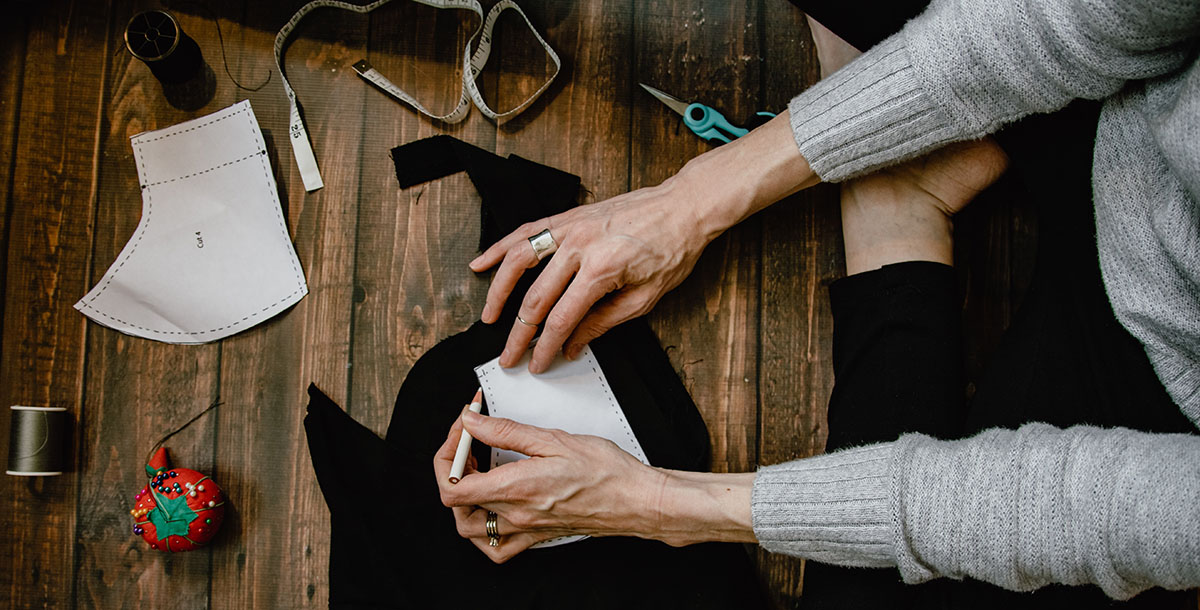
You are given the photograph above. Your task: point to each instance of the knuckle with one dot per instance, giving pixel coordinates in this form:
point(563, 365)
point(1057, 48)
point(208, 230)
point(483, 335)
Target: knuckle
point(608, 276)
point(505, 428)
point(511, 258)
point(534, 298)
point(557, 320)
point(588, 331)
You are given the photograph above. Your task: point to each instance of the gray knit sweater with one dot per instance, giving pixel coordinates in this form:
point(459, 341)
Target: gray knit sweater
point(1038, 505)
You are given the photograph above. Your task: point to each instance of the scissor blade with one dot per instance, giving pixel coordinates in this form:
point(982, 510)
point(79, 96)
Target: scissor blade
point(672, 102)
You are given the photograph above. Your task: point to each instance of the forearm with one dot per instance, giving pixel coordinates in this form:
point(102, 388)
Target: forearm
point(964, 68)
point(730, 183)
point(1018, 508)
point(1039, 505)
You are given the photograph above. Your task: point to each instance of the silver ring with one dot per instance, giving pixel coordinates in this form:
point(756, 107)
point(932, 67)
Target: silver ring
point(492, 529)
point(543, 244)
point(522, 321)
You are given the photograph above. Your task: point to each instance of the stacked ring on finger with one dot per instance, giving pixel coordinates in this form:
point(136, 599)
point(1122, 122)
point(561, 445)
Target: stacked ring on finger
point(492, 529)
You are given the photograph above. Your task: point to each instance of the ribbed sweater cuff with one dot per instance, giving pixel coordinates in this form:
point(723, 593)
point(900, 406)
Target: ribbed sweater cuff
point(833, 508)
point(871, 113)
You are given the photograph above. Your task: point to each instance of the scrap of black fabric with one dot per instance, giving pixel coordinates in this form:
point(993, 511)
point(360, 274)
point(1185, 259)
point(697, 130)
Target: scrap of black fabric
point(392, 542)
point(514, 190)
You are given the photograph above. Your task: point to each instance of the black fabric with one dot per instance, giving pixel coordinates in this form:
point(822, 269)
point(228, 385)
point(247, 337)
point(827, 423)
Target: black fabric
point(523, 191)
point(862, 23)
point(896, 355)
point(392, 542)
point(1065, 360)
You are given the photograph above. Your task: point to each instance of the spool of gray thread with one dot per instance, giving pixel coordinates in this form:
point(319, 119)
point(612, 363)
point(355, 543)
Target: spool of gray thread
point(37, 439)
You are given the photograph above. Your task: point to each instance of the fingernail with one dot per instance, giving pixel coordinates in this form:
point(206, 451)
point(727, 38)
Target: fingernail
point(572, 352)
point(475, 262)
point(472, 417)
point(504, 359)
point(536, 367)
point(487, 312)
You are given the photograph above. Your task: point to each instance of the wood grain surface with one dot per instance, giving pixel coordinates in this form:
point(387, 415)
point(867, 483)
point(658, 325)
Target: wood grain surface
point(749, 332)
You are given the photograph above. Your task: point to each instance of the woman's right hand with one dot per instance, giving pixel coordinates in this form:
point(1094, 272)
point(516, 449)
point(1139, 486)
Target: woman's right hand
point(617, 258)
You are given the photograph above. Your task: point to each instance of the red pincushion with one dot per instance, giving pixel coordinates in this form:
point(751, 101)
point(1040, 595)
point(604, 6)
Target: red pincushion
point(179, 510)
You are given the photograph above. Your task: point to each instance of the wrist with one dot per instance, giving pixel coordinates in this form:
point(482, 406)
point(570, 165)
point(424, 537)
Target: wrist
point(697, 507)
point(730, 183)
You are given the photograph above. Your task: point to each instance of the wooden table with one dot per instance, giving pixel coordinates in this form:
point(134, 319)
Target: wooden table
point(748, 332)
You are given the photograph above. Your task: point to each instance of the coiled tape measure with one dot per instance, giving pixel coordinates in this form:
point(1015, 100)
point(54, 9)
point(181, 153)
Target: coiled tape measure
point(473, 63)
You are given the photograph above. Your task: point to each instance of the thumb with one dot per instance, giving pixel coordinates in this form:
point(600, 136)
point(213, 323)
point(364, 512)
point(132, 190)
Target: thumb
point(502, 433)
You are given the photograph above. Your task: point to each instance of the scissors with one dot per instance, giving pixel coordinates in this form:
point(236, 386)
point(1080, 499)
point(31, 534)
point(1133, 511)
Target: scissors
point(702, 120)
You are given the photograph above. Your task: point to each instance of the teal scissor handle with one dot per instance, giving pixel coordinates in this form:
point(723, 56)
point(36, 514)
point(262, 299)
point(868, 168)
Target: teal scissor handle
point(705, 121)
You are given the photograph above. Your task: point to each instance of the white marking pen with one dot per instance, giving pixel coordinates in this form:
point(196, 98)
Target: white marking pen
point(464, 441)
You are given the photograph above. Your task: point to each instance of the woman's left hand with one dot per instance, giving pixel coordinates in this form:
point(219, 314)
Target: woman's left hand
point(571, 484)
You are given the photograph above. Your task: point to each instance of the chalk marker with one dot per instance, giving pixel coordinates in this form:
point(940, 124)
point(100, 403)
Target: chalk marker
point(464, 441)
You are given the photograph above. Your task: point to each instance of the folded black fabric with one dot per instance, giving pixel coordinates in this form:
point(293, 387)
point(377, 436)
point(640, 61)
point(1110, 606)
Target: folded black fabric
point(395, 545)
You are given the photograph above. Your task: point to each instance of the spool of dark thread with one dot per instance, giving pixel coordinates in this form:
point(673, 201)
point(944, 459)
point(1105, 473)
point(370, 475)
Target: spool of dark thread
point(156, 38)
point(38, 437)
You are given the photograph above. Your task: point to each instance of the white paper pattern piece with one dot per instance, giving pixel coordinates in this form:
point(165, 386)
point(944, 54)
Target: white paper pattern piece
point(571, 395)
point(211, 255)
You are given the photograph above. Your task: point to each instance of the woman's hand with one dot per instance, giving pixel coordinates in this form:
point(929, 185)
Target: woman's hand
point(578, 484)
point(571, 484)
point(617, 258)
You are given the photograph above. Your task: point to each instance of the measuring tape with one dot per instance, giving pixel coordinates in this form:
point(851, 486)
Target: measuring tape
point(473, 64)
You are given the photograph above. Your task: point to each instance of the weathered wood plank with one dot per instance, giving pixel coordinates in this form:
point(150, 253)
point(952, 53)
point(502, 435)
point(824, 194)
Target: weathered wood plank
point(12, 72)
point(581, 124)
point(137, 390)
point(52, 201)
point(13, 32)
point(802, 253)
point(276, 553)
point(412, 285)
point(704, 51)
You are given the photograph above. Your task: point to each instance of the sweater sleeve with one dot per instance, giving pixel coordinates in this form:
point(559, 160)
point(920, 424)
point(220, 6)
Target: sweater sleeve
point(1020, 509)
point(964, 68)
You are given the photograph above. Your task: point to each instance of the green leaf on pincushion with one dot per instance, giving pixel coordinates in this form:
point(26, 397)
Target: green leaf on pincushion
point(151, 471)
point(171, 516)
